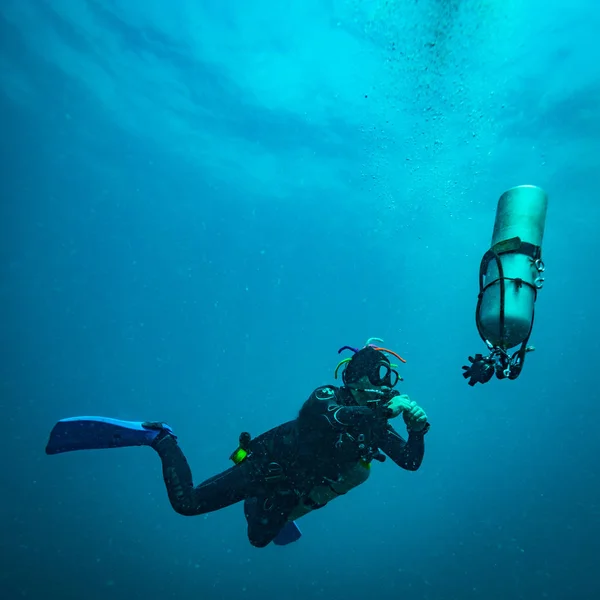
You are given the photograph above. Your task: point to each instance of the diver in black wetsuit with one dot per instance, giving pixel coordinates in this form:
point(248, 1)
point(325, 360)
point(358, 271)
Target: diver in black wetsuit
point(338, 430)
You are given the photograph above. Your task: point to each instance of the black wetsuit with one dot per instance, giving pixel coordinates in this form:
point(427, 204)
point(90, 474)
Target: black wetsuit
point(285, 463)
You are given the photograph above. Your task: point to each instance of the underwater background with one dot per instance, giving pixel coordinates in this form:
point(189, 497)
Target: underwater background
point(203, 200)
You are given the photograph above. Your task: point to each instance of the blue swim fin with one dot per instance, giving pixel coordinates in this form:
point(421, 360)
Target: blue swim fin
point(288, 535)
point(95, 433)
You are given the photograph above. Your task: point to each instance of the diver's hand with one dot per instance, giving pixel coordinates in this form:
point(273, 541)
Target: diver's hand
point(391, 408)
point(414, 416)
point(398, 404)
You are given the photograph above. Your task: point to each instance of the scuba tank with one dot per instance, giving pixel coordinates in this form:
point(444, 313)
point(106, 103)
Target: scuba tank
point(510, 276)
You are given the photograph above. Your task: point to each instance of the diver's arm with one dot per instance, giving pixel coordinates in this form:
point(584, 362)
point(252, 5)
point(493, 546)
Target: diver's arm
point(406, 454)
point(323, 404)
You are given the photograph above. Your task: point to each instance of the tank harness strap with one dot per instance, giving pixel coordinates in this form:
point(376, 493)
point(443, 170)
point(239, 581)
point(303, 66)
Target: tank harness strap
point(511, 246)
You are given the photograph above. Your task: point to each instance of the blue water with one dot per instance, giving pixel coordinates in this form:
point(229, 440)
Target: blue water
point(203, 200)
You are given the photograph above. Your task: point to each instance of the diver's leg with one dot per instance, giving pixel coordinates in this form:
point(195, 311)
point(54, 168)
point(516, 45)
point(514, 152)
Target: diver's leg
point(267, 516)
point(215, 493)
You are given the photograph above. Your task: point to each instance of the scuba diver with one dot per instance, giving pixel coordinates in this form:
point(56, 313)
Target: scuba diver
point(292, 469)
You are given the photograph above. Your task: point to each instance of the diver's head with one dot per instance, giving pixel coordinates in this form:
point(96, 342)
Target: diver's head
point(368, 374)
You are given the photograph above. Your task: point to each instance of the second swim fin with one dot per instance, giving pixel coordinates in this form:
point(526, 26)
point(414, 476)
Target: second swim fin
point(288, 535)
point(95, 433)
